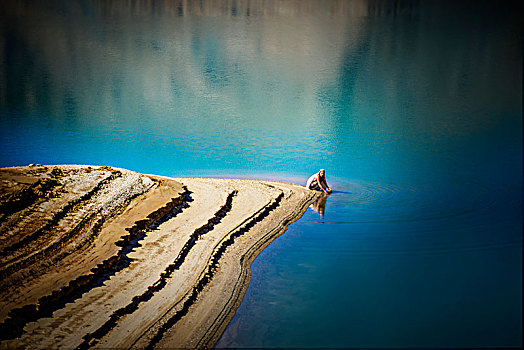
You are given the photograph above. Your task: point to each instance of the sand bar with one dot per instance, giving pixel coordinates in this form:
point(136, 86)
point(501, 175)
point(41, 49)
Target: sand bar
point(106, 257)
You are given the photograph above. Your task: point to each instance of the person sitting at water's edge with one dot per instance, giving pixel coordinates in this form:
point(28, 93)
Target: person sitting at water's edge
point(318, 182)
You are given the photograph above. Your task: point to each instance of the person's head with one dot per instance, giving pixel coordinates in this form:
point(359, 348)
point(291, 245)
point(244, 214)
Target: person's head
point(322, 173)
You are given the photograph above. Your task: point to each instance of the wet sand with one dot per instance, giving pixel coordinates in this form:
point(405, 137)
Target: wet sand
point(105, 257)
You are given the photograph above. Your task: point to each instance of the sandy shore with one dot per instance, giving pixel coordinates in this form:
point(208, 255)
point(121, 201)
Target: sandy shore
point(106, 257)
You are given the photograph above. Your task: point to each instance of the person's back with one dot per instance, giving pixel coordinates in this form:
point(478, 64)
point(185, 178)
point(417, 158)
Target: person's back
point(312, 182)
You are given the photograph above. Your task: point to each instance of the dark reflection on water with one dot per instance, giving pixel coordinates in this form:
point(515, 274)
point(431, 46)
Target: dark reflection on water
point(390, 265)
point(320, 205)
point(412, 107)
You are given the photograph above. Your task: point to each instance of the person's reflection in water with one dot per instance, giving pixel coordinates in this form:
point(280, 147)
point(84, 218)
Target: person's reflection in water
point(320, 205)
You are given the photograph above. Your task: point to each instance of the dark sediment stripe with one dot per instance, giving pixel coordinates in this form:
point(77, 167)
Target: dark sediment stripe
point(93, 338)
point(26, 197)
point(210, 273)
point(18, 318)
point(94, 222)
point(53, 222)
point(51, 249)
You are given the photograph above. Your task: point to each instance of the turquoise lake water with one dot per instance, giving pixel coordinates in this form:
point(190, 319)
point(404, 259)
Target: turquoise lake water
point(412, 107)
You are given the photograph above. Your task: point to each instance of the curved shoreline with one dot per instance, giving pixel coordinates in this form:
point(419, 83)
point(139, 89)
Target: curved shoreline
point(175, 281)
point(213, 334)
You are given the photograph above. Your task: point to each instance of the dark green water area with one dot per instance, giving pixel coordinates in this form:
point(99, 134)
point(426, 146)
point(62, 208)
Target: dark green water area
point(414, 108)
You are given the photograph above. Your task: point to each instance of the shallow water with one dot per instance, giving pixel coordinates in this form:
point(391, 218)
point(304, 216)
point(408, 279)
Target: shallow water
point(413, 108)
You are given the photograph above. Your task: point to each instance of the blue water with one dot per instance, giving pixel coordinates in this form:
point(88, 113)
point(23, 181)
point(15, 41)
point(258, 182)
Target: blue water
point(413, 108)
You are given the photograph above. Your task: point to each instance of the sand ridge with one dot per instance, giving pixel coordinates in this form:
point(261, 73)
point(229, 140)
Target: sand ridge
point(151, 261)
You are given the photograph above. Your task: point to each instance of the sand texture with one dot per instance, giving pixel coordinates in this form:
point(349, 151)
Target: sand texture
point(109, 258)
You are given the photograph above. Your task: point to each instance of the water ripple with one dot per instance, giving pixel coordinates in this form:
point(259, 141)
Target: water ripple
point(372, 202)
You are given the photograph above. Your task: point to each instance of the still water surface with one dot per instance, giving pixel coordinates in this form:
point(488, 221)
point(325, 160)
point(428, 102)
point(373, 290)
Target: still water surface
point(413, 108)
